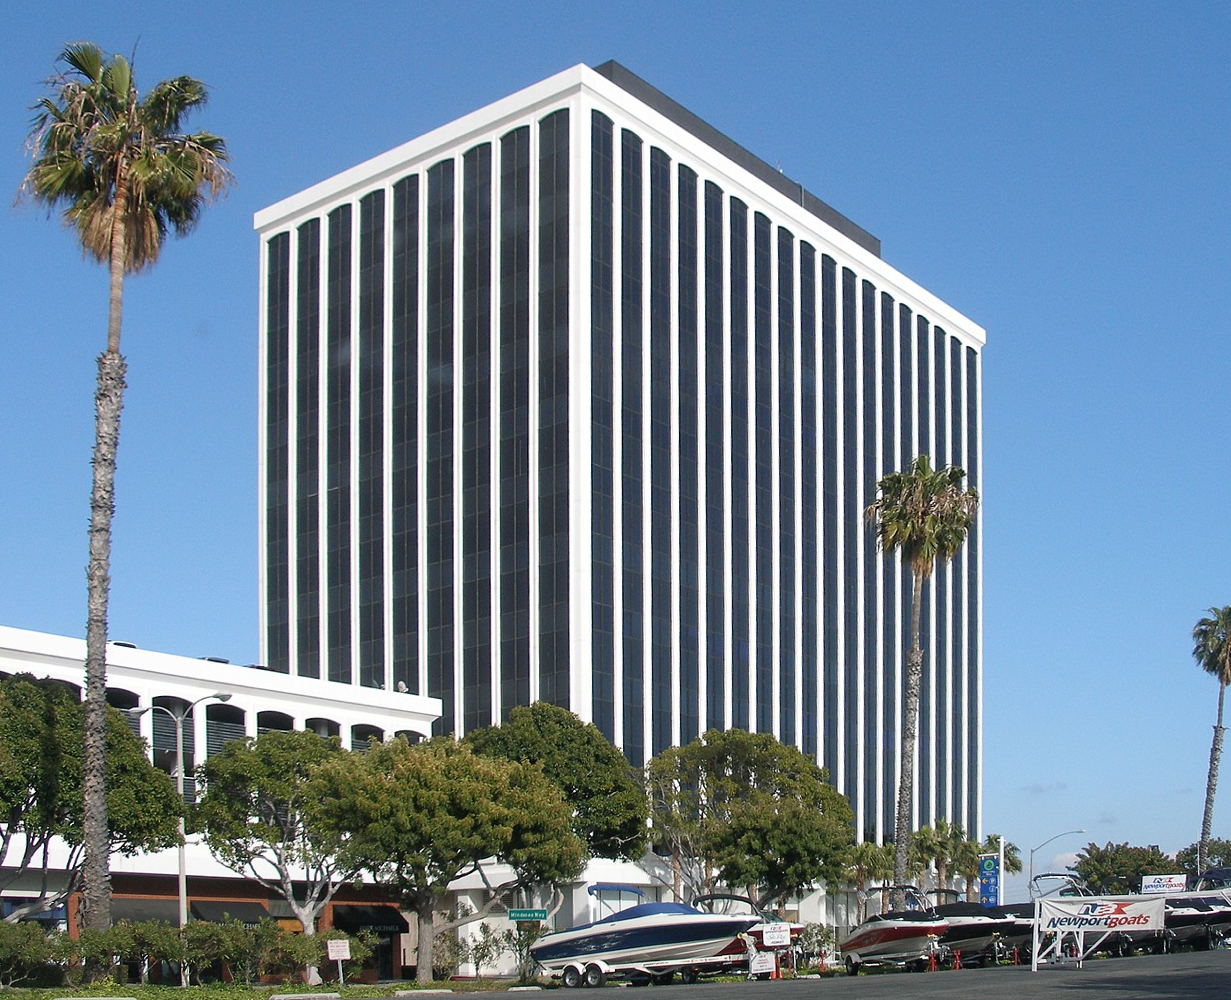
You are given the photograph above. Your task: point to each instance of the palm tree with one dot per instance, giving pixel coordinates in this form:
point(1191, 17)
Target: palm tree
point(926, 514)
point(866, 862)
point(125, 174)
point(1212, 650)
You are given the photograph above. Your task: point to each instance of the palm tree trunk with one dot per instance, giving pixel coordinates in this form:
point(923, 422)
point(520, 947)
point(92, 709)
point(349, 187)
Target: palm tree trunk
point(910, 725)
point(108, 403)
point(1211, 783)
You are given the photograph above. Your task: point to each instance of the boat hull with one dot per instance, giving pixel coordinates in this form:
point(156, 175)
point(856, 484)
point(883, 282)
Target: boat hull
point(891, 939)
point(654, 939)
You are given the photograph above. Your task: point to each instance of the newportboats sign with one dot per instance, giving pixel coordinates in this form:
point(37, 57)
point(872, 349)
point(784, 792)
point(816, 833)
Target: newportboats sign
point(1097, 916)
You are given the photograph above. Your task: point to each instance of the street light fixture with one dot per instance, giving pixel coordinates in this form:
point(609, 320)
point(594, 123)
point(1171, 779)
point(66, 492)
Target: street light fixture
point(178, 717)
point(1044, 844)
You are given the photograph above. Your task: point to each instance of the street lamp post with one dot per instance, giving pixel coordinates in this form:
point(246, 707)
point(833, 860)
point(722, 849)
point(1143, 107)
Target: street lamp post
point(1044, 844)
point(178, 718)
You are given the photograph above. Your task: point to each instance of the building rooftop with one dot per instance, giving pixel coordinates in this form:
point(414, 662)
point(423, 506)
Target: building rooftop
point(628, 81)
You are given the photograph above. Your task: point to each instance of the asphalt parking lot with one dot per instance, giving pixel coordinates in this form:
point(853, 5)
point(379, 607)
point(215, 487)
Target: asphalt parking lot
point(1185, 976)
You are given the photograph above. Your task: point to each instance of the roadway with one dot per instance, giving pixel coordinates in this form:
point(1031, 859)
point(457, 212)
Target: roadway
point(1193, 975)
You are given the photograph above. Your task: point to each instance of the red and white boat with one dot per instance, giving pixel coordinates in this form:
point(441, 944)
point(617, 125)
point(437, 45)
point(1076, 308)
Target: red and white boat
point(899, 937)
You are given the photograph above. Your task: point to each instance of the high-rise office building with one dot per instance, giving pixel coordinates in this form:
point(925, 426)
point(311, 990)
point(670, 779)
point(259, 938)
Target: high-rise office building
point(575, 399)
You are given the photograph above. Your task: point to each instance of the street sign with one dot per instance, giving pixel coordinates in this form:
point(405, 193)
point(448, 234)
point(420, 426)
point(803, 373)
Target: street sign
point(539, 915)
point(989, 880)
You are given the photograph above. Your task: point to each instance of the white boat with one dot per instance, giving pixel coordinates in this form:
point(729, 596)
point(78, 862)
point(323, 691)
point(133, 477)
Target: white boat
point(651, 940)
point(900, 937)
point(975, 931)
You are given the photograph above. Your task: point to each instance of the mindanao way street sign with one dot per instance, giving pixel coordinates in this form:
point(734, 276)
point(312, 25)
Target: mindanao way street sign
point(539, 915)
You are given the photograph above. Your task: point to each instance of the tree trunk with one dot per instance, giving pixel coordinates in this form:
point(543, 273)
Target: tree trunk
point(108, 402)
point(910, 724)
point(95, 870)
point(1211, 783)
point(427, 943)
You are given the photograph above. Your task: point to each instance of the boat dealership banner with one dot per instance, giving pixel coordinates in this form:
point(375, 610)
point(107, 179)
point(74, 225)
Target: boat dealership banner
point(1075, 917)
point(1163, 883)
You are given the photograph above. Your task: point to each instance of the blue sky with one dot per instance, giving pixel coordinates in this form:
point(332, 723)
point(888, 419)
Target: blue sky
point(1056, 171)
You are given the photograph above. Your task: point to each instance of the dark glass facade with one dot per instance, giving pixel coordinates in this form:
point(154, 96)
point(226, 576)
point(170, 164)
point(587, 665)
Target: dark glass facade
point(514, 420)
point(338, 445)
point(632, 448)
point(277, 451)
point(553, 430)
point(602, 419)
point(404, 436)
point(476, 437)
point(307, 451)
point(441, 679)
point(372, 440)
point(602, 434)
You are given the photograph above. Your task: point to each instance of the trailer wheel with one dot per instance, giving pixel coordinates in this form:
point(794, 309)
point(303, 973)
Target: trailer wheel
point(689, 976)
point(663, 978)
point(852, 967)
point(594, 976)
point(571, 977)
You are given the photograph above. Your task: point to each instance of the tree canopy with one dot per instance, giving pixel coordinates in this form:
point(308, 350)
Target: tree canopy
point(1212, 651)
point(599, 785)
point(418, 817)
point(749, 810)
point(1117, 868)
point(259, 818)
point(41, 786)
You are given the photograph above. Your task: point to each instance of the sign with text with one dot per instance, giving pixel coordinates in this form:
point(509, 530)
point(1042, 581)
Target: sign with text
point(776, 936)
point(989, 879)
point(338, 949)
point(1163, 883)
point(539, 915)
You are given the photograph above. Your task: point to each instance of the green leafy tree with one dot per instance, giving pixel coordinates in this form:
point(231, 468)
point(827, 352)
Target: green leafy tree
point(672, 781)
point(734, 796)
point(925, 514)
point(24, 950)
point(125, 174)
point(783, 845)
point(863, 864)
point(600, 786)
point(484, 948)
point(1117, 868)
point(418, 817)
point(259, 818)
point(1215, 854)
point(1212, 651)
point(41, 795)
point(518, 940)
point(146, 943)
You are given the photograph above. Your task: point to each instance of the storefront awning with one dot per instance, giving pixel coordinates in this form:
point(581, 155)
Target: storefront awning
point(215, 912)
point(137, 911)
point(378, 919)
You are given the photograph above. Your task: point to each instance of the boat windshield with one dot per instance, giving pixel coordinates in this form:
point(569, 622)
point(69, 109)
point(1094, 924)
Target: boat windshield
point(646, 910)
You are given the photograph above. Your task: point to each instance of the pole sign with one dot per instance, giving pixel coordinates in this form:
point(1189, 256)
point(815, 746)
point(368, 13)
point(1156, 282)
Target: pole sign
point(539, 915)
point(338, 950)
point(989, 880)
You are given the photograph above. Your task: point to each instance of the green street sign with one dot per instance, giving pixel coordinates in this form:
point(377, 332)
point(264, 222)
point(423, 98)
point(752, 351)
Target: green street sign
point(539, 915)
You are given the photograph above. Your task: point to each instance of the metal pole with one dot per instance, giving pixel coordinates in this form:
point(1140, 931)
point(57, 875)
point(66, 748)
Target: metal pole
point(179, 787)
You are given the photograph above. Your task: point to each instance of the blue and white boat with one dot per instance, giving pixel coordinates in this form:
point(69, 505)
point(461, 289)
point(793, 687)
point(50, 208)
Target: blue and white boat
point(651, 939)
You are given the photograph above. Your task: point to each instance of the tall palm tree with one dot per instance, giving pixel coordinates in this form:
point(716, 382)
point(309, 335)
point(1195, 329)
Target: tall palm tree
point(125, 174)
point(926, 513)
point(1212, 650)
